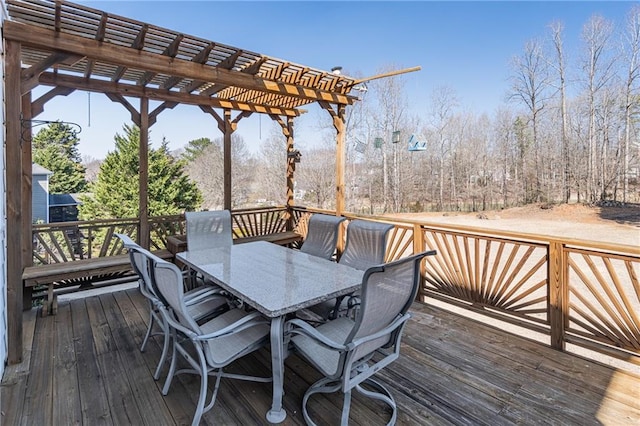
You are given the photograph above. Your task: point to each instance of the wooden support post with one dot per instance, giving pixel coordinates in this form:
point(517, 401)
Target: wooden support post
point(15, 229)
point(291, 168)
point(341, 153)
point(341, 159)
point(419, 247)
point(143, 119)
point(287, 131)
point(143, 175)
point(558, 305)
point(226, 166)
point(27, 184)
point(227, 126)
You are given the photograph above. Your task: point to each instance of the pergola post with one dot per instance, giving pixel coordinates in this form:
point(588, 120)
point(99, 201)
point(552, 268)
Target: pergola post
point(144, 120)
point(27, 190)
point(228, 129)
point(15, 225)
point(227, 126)
point(341, 153)
point(287, 131)
point(143, 175)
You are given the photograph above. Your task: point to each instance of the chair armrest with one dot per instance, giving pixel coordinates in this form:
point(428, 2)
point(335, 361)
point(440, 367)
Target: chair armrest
point(248, 321)
point(387, 330)
point(204, 293)
point(304, 328)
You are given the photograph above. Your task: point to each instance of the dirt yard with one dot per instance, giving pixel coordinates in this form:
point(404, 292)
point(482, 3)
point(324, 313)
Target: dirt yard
point(618, 225)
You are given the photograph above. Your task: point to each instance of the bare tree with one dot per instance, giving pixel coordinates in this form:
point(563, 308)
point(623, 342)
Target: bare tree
point(530, 84)
point(631, 56)
point(316, 175)
point(444, 101)
point(205, 167)
point(270, 169)
point(598, 66)
point(559, 65)
point(390, 116)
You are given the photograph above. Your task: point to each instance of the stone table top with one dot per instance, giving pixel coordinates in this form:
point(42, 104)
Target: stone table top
point(273, 279)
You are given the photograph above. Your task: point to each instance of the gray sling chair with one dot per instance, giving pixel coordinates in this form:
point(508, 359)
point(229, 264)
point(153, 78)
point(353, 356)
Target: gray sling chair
point(322, 235)
point(217, 342)
point(208, 229)
point(202, 302)
point(343, 349)
point(366, 246)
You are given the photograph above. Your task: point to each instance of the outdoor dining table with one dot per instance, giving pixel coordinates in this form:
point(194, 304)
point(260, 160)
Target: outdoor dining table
point(276, 281)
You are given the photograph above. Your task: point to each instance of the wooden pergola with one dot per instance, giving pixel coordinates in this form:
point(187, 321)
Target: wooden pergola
point(70, 47)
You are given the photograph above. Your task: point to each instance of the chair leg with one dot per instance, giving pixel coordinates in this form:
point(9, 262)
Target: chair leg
point(172, 366)
point(381, 394)
point(165, 350)
point(346, 406)
point(149, 328)
point(321, 386)
point(327, 385)
point(203, 389)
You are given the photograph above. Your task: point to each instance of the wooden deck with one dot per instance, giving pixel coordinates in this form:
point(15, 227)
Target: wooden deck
point(84, 366)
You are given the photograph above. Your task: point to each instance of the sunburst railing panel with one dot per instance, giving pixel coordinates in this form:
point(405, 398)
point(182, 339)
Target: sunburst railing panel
point(508, 276)
point(604, 298)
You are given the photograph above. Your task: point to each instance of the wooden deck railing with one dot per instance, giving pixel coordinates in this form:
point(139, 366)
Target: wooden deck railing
point(578, 292)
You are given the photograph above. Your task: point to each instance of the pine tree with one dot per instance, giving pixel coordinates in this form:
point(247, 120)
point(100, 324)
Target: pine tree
point(115, 192)
point(56, 148)
point(195, 148)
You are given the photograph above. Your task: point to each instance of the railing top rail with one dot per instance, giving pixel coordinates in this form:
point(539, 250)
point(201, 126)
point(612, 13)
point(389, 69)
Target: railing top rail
point(511, 235)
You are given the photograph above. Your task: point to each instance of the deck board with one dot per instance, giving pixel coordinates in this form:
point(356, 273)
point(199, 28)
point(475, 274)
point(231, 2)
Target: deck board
point(66, 398)
point(452, 371)
point(91, 388)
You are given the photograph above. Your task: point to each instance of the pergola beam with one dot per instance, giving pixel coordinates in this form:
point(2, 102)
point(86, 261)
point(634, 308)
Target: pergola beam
point(103, 86)
point(126, 57)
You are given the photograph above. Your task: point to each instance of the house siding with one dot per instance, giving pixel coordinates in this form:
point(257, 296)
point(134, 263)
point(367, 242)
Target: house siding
point(40, 199)
point(3, 216)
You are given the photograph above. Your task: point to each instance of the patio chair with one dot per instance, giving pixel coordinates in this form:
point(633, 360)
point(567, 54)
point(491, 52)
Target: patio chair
point(205, 230)
point(203, 302)
point(366, 246)
point(322, 235)
point(343, 349)
point(217, 342)
point(208, 229)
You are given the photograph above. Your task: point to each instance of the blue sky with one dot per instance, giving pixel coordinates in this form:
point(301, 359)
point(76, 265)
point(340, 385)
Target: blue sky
point(464, 45)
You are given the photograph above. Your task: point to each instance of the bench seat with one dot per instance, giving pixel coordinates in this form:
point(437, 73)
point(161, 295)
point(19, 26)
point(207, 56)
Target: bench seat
point(52, 273)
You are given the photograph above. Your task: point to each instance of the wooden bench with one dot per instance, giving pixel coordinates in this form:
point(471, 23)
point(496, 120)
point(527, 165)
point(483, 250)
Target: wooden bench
point(53, 273)
point(178, 243)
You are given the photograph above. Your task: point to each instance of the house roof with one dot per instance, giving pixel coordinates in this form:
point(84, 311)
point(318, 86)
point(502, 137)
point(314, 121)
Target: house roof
point(77, 47)
point(37, 169)
point(64, 200)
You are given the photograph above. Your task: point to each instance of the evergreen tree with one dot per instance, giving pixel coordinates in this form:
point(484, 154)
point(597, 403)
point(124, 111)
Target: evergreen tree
point(56, 148)
point(195, 148)
point(115, 192)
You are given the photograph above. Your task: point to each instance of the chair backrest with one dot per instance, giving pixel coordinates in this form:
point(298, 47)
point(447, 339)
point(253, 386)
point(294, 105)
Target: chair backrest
point(126, 240)
point(322, 235)
point(167, 279)
point(141, 259)
point(366, 244)
point(208, 229)
point(387, 293)
point(138, 260)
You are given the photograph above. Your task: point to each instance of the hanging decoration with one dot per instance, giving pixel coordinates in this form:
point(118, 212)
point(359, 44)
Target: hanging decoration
point(416, 145)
